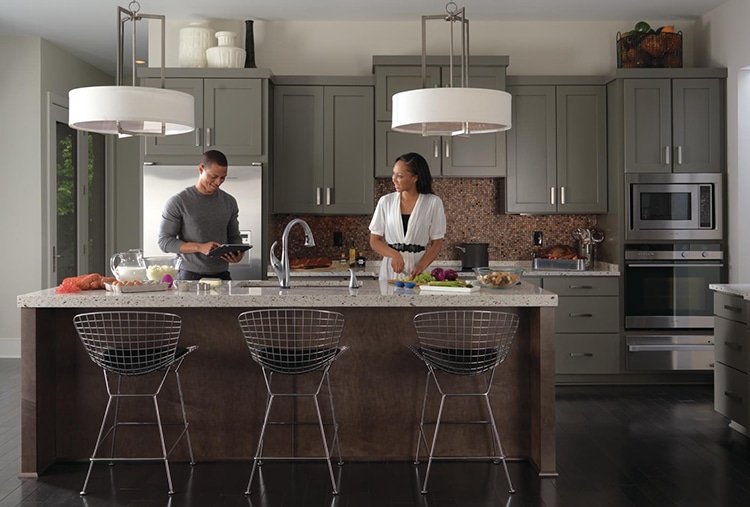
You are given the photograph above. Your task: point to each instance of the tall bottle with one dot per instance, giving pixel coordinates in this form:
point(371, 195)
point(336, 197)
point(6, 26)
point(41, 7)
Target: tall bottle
point(352, 255)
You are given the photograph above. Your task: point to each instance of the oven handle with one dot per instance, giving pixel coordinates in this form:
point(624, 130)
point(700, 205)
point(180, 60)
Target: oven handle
point(676, 265)
point(668, 347)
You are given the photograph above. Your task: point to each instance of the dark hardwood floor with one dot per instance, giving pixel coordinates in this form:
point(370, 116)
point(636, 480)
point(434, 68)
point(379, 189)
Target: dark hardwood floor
point(657, 446)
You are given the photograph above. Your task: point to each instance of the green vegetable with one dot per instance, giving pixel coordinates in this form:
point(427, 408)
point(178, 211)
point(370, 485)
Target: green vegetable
point(448, 283)
point(423, 278)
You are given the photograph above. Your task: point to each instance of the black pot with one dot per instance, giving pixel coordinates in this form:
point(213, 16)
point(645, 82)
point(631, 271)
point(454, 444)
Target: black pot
point(474, 255)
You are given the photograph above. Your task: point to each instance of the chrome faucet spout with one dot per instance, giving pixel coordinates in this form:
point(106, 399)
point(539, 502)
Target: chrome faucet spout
point(281, 267)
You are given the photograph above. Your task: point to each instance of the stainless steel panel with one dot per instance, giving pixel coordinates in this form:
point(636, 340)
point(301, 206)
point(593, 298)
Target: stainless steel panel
point(669, 352)
point(669, 322)
point(244, 183)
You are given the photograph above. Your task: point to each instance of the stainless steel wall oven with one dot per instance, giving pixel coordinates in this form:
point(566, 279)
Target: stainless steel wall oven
point(668, 305)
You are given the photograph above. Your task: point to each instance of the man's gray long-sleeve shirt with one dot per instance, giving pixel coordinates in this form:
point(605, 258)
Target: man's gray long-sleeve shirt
point(190, 216)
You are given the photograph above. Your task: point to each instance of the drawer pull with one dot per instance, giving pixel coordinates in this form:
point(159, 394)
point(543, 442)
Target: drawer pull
point(575, 287)
point(735, 309)
point(733, 396)
point(581, 354)
point(574, 315)
point(733, 345)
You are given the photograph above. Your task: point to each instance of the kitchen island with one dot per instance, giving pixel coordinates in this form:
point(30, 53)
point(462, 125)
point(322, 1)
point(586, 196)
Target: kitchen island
point(377, 384)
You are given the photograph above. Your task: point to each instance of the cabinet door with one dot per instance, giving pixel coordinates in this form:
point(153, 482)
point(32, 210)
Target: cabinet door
point(390, 80)
point(390, 144)
point(532, 174)
point(234, 116)
point(482, 154)
point(582, 149)
point(348, 153)
point(190, 143)
point(697, 126)
point(298, 149)
point(648, 126)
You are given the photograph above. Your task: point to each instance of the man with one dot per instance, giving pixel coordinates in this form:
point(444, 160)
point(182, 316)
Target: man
point(199, 219)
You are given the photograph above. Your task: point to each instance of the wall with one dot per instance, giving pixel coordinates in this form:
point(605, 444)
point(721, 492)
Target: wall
point(474, 212)
point(346, 48)
point(722, 40)
point(32, 67)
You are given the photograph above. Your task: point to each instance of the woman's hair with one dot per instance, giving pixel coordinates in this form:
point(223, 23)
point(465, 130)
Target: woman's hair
point(418, 166)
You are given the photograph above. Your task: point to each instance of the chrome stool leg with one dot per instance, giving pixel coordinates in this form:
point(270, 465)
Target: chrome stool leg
point(499, 443)
point(421, 439)
point(259, 451)
point(186, 425)
point(335, 423)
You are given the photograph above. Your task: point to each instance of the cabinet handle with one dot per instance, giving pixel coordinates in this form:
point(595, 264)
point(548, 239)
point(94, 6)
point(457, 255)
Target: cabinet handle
point(447, 149)
point(587, 287)
point(574, 315)
point(552, 195)
point(731, 308)
point(198, 137)
point(435, 149)
point(328, 196)
point(208, 136)
point(317, 196)
point(679, 155)
point(733, 345)
point(733, 396)
point(562, 195)
point(581, 354)
point(666, 155)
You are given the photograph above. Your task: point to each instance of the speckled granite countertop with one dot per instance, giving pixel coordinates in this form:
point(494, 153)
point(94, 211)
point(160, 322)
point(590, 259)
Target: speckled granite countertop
point(735, 289)
point(266, 293)
point(372, 269)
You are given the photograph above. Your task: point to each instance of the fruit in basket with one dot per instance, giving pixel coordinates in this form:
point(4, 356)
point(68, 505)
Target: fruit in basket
point(642, 27)
point(653, 45)
point(667, 29)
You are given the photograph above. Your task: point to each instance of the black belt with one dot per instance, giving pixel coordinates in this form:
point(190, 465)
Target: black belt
point(403, 247)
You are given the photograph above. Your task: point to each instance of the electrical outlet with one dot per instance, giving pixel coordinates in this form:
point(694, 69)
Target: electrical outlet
point(338, 238)
point(538, 238)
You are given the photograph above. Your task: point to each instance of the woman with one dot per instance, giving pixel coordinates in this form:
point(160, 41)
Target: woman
point(408, 226)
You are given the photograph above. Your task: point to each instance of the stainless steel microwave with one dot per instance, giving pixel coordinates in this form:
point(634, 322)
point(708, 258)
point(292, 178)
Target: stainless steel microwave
point(670, 206)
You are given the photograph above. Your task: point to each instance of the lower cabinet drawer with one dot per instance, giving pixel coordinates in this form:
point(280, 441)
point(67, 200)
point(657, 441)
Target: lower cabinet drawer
point(730, 393)
point(731, 340)
point(587, 315)
point(730, 307)
point(590, 353)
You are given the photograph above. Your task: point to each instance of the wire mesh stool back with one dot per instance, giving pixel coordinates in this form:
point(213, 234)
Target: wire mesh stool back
point(462, 343)
point(131, 344)
point(295, 342)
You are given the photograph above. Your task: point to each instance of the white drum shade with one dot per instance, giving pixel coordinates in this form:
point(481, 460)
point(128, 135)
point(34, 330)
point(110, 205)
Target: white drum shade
point(131, 110)
point(451, 111)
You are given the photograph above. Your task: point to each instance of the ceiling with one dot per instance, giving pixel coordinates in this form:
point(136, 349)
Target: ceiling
point(87, 28)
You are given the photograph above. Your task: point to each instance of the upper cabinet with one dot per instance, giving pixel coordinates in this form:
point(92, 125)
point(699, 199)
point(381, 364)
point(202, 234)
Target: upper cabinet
point(323, 146)
point(557, 148)
point(231, 116)
point(480, 155)
point(673, 125)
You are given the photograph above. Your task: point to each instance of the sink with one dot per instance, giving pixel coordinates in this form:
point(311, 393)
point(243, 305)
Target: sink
point(293, 283)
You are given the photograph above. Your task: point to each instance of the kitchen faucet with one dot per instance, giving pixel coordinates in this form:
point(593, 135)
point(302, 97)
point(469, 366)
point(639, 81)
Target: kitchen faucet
point(281, 268)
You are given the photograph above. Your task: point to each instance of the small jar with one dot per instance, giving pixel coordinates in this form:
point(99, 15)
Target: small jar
point(226, 54)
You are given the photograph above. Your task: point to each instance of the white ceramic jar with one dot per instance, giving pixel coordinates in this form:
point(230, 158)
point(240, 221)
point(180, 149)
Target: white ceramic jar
point(195, 39)
point(226, 54)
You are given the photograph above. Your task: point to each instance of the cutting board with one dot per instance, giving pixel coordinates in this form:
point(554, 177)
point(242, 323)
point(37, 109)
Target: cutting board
point(310, 263)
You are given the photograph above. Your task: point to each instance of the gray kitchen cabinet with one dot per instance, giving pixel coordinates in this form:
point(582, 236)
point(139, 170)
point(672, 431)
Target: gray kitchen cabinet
point(587, 339)
point(323, 149)
point(673, 125)
point(732, 349)
point(228, 117)
point(557, 150)
point(481, 155)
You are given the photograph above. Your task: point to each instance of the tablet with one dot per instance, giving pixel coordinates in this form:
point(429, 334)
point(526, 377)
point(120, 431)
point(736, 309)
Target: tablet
point(223, 249)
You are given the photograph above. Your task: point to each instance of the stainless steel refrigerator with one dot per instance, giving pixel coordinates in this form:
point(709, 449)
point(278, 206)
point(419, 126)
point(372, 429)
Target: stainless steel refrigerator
point(244, 183)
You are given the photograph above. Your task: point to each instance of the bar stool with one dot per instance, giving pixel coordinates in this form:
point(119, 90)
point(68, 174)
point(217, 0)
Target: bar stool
point(466, 343)
point(135, 344)
point(295, 342)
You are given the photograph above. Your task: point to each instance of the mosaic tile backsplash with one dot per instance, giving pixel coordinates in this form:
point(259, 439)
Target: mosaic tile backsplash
point(474, 209)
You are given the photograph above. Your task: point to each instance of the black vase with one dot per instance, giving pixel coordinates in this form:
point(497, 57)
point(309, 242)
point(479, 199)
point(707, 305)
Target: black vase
point(249, 45)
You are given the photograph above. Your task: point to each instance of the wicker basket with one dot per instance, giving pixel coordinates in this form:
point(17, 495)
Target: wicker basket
point(649, 50)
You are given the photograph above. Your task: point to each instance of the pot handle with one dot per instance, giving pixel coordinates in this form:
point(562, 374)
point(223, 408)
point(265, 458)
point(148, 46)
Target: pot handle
point(461, 248)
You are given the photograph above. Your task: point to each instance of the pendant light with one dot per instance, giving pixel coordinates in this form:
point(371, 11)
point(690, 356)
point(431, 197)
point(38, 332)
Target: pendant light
point(451, 110)
point(132, 110)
